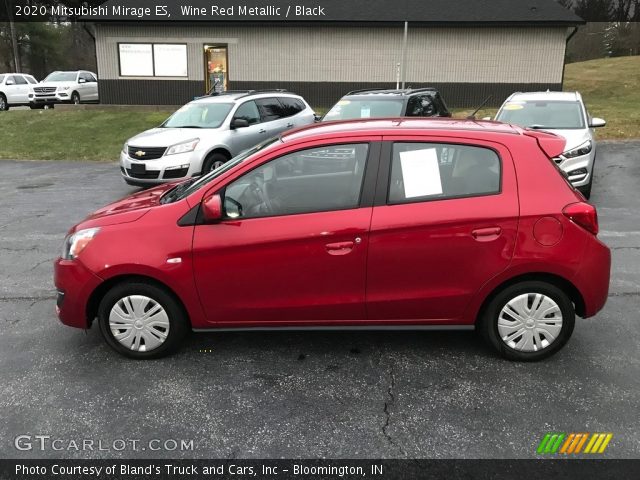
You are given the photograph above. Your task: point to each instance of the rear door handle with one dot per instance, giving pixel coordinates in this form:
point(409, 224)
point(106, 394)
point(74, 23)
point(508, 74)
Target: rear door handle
point(289, 125)
point(262, 130)
point(486, 234)
point(339, 248)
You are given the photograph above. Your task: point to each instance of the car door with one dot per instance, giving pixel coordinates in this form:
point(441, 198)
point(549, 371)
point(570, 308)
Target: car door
point(92, 87)
point(292, 246)
point(19, 91)
point(246, 137)
point(273, 115)
point(444, 223)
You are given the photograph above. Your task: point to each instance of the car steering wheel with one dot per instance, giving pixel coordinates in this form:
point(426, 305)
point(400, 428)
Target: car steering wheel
point(259, 188)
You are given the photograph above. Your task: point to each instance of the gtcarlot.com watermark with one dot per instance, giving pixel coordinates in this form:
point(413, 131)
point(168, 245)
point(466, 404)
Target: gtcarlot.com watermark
point(44, 443)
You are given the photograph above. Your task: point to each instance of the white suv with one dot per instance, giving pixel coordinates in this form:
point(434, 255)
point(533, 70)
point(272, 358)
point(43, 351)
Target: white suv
point(207, 132)
point(66, 87)
point(564, 114)
point(15, 89)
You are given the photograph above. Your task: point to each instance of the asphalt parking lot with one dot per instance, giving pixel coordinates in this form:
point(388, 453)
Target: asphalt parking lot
point(306, 395)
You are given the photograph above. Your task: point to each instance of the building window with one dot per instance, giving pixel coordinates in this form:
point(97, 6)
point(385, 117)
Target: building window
point(152, 59)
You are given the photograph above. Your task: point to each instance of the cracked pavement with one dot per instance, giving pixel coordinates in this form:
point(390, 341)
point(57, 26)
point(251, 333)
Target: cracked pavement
point(303, 395)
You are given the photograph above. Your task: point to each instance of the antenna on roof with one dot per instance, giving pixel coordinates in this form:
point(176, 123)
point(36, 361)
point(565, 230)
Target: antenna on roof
point(473, 115)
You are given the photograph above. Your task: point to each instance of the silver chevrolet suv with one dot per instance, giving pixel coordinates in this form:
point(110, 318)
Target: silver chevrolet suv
point(207, 132)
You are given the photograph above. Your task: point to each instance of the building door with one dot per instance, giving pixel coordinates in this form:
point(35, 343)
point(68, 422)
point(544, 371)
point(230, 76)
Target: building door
point(216, 68)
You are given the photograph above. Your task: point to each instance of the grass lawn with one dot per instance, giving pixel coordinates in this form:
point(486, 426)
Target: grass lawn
point(71, 135)
point(610, 87)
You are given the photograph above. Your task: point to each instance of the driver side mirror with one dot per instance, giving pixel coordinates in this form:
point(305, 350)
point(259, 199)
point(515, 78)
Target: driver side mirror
point(82, 80)
point(212, 208)
point(10, 81)
point(239, 123)
point(597, 122)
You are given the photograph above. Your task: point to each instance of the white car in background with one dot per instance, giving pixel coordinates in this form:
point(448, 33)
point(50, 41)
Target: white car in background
point(564, 114)
point(15, 89)
point(66, 87)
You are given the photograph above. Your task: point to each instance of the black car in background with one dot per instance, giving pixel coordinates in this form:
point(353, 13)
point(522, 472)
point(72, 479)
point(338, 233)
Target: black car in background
point(421, 102)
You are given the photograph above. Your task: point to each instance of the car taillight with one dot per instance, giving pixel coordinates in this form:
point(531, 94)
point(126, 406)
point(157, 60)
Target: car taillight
point(584, 215)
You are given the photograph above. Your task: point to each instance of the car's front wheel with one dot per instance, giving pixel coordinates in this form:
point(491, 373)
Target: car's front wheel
point(141, 320)
point(214, 161)
point(4, 105)
point(75, 98)
point(528, 321)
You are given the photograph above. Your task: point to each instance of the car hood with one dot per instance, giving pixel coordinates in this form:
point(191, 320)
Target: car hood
point(574, 138)
point(128, 209)
point(165, 137)
point(55, 84)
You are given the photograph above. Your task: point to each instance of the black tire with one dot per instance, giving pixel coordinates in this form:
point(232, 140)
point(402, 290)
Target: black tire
point(49, 106)
point(586, 190)
point(4, 105)
point(178, 323)
point(213, 160)
point(75, 98)
point(488, 324)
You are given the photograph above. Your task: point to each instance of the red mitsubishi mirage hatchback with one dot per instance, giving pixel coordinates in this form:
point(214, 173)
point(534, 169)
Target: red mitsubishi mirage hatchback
point(386, 223)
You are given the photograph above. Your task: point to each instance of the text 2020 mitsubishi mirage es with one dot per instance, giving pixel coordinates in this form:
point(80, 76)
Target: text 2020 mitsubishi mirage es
point(387, 223)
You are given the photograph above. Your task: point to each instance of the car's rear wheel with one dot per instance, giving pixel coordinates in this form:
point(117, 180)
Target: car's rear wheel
point(141, 320)
point(75, 98)
point(4, 105)
point(528, 321)
point(213, 161)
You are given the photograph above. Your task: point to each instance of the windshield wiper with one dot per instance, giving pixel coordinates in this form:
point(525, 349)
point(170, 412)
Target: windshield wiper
point(174, 194)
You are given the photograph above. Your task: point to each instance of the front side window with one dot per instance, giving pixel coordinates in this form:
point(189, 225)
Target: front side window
point(550, 115)
point(248, 111)
point(434, 171)
point(314, 180)
point(19, 80)
point(30, 79)
point(199, 115)
point(421, 106)
point(1, 79)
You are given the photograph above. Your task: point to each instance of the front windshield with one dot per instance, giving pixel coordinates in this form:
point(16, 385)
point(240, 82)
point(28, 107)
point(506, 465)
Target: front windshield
point(551, 115)
point(348, 109)
point(61, 77)
point(199, 115)
point(187, 188)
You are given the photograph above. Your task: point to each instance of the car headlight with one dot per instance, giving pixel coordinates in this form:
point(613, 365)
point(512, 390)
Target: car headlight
point(125, 148)
point(184, 147)
point(583, 149)
point(76, 242)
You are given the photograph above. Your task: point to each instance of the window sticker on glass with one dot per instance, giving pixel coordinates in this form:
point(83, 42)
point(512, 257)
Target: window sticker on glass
point(420, 173)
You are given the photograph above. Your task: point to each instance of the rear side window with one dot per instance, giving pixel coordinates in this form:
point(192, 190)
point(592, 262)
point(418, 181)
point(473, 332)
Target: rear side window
point(270, 109)
point(291, 106)
point(436, 171)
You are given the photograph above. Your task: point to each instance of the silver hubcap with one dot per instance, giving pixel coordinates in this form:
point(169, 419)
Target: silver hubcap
point(2, 103)
point(216, 165)
point(139, 323)
point(530, 322)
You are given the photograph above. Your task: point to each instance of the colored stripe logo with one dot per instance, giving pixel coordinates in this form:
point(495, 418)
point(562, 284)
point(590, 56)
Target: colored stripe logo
point(573, 443)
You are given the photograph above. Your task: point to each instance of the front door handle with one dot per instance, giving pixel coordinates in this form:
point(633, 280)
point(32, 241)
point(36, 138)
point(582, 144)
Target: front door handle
point(486, 234)
point(262, 130)
point(339, 248)
point(289, 125)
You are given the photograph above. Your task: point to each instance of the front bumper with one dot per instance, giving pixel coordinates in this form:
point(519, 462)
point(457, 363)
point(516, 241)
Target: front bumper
point(162, 170)
point(50, 98)
point(75, 284)
point(572, 167)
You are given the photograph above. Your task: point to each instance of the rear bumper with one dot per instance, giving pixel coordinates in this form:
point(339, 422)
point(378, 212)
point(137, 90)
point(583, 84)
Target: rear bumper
point(593, 277)
point(75, 284)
